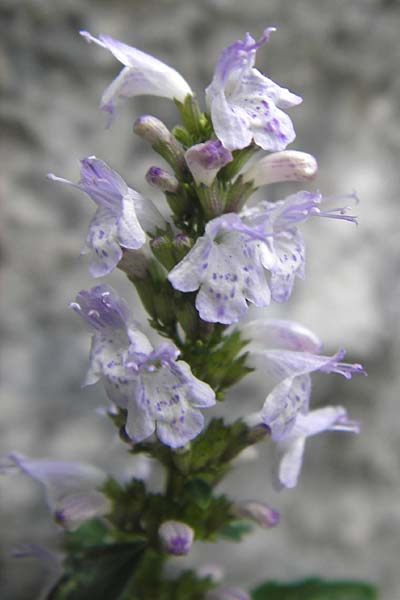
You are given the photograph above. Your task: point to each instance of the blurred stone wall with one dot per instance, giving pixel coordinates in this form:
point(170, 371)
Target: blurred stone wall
point(342, 56)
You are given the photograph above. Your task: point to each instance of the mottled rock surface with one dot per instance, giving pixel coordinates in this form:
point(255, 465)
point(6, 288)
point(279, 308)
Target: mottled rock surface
point(343, 520)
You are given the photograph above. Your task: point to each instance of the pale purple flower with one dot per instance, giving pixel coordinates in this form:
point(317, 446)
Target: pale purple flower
point(245, 105)
point(285, 255)
point(176, 537)
point(142, 74)
point(159, 392)
point(291, 352)
point(260, 513)
point(205, 160)
point(291, 448)
point(70, 488)
point(122, 218)
point(289, 165)
point(226, 266)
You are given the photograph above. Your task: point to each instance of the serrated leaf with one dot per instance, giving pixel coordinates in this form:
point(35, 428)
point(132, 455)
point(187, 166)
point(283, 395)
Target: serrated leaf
point(315, 589)
point(200, 492)
point(101, 573)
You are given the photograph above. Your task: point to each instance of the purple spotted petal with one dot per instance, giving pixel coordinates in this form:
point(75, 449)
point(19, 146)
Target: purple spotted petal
point(159, 392)
point(244, 104)
point(201, 394)
point(142, 74)
point(226, 265)
point(283, 254)
point(188, 274)
point(180, 431)
point(122, 219)
point(140, 422)
point(115, 333)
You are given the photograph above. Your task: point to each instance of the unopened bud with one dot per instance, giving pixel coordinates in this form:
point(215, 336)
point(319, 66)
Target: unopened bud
point(227, 593)
point(260, 513)
point(181, 245)
point(176, 537)
point(160, 178)
point(153, 131)
point(162, 250)
point(205, 160)
point(78, 508)
point(289, 165)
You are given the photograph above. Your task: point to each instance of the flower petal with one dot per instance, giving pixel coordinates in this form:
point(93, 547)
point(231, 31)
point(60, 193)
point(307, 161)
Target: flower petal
point(281, 334)
point(200, 393)
point(284, 403)
point(291, 460)
point(60, 478)
point(186, 275)
point(139, 423)
point(143, 74)
point(244, 104)
point(178, 432)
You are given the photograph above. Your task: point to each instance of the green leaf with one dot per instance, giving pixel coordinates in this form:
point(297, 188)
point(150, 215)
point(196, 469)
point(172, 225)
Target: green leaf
point(90, 533)
point(102, 572)
point(200, 492)
point(235, 530)
point(315, 589)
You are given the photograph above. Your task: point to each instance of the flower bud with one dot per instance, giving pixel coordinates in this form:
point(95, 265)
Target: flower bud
point(160, 178)
point(227, 593)
point(181, 245)
point(162, 249)
point(260, 513)
point(78, 508)
point(289, 165)
point(153, 131)
point(176, 537)
point(205, 160)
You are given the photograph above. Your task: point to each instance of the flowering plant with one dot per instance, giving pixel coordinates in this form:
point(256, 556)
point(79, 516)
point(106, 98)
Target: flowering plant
point(196, 272)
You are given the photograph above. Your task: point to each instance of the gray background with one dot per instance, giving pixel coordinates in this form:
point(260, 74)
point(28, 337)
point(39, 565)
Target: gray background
point(342, 56)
